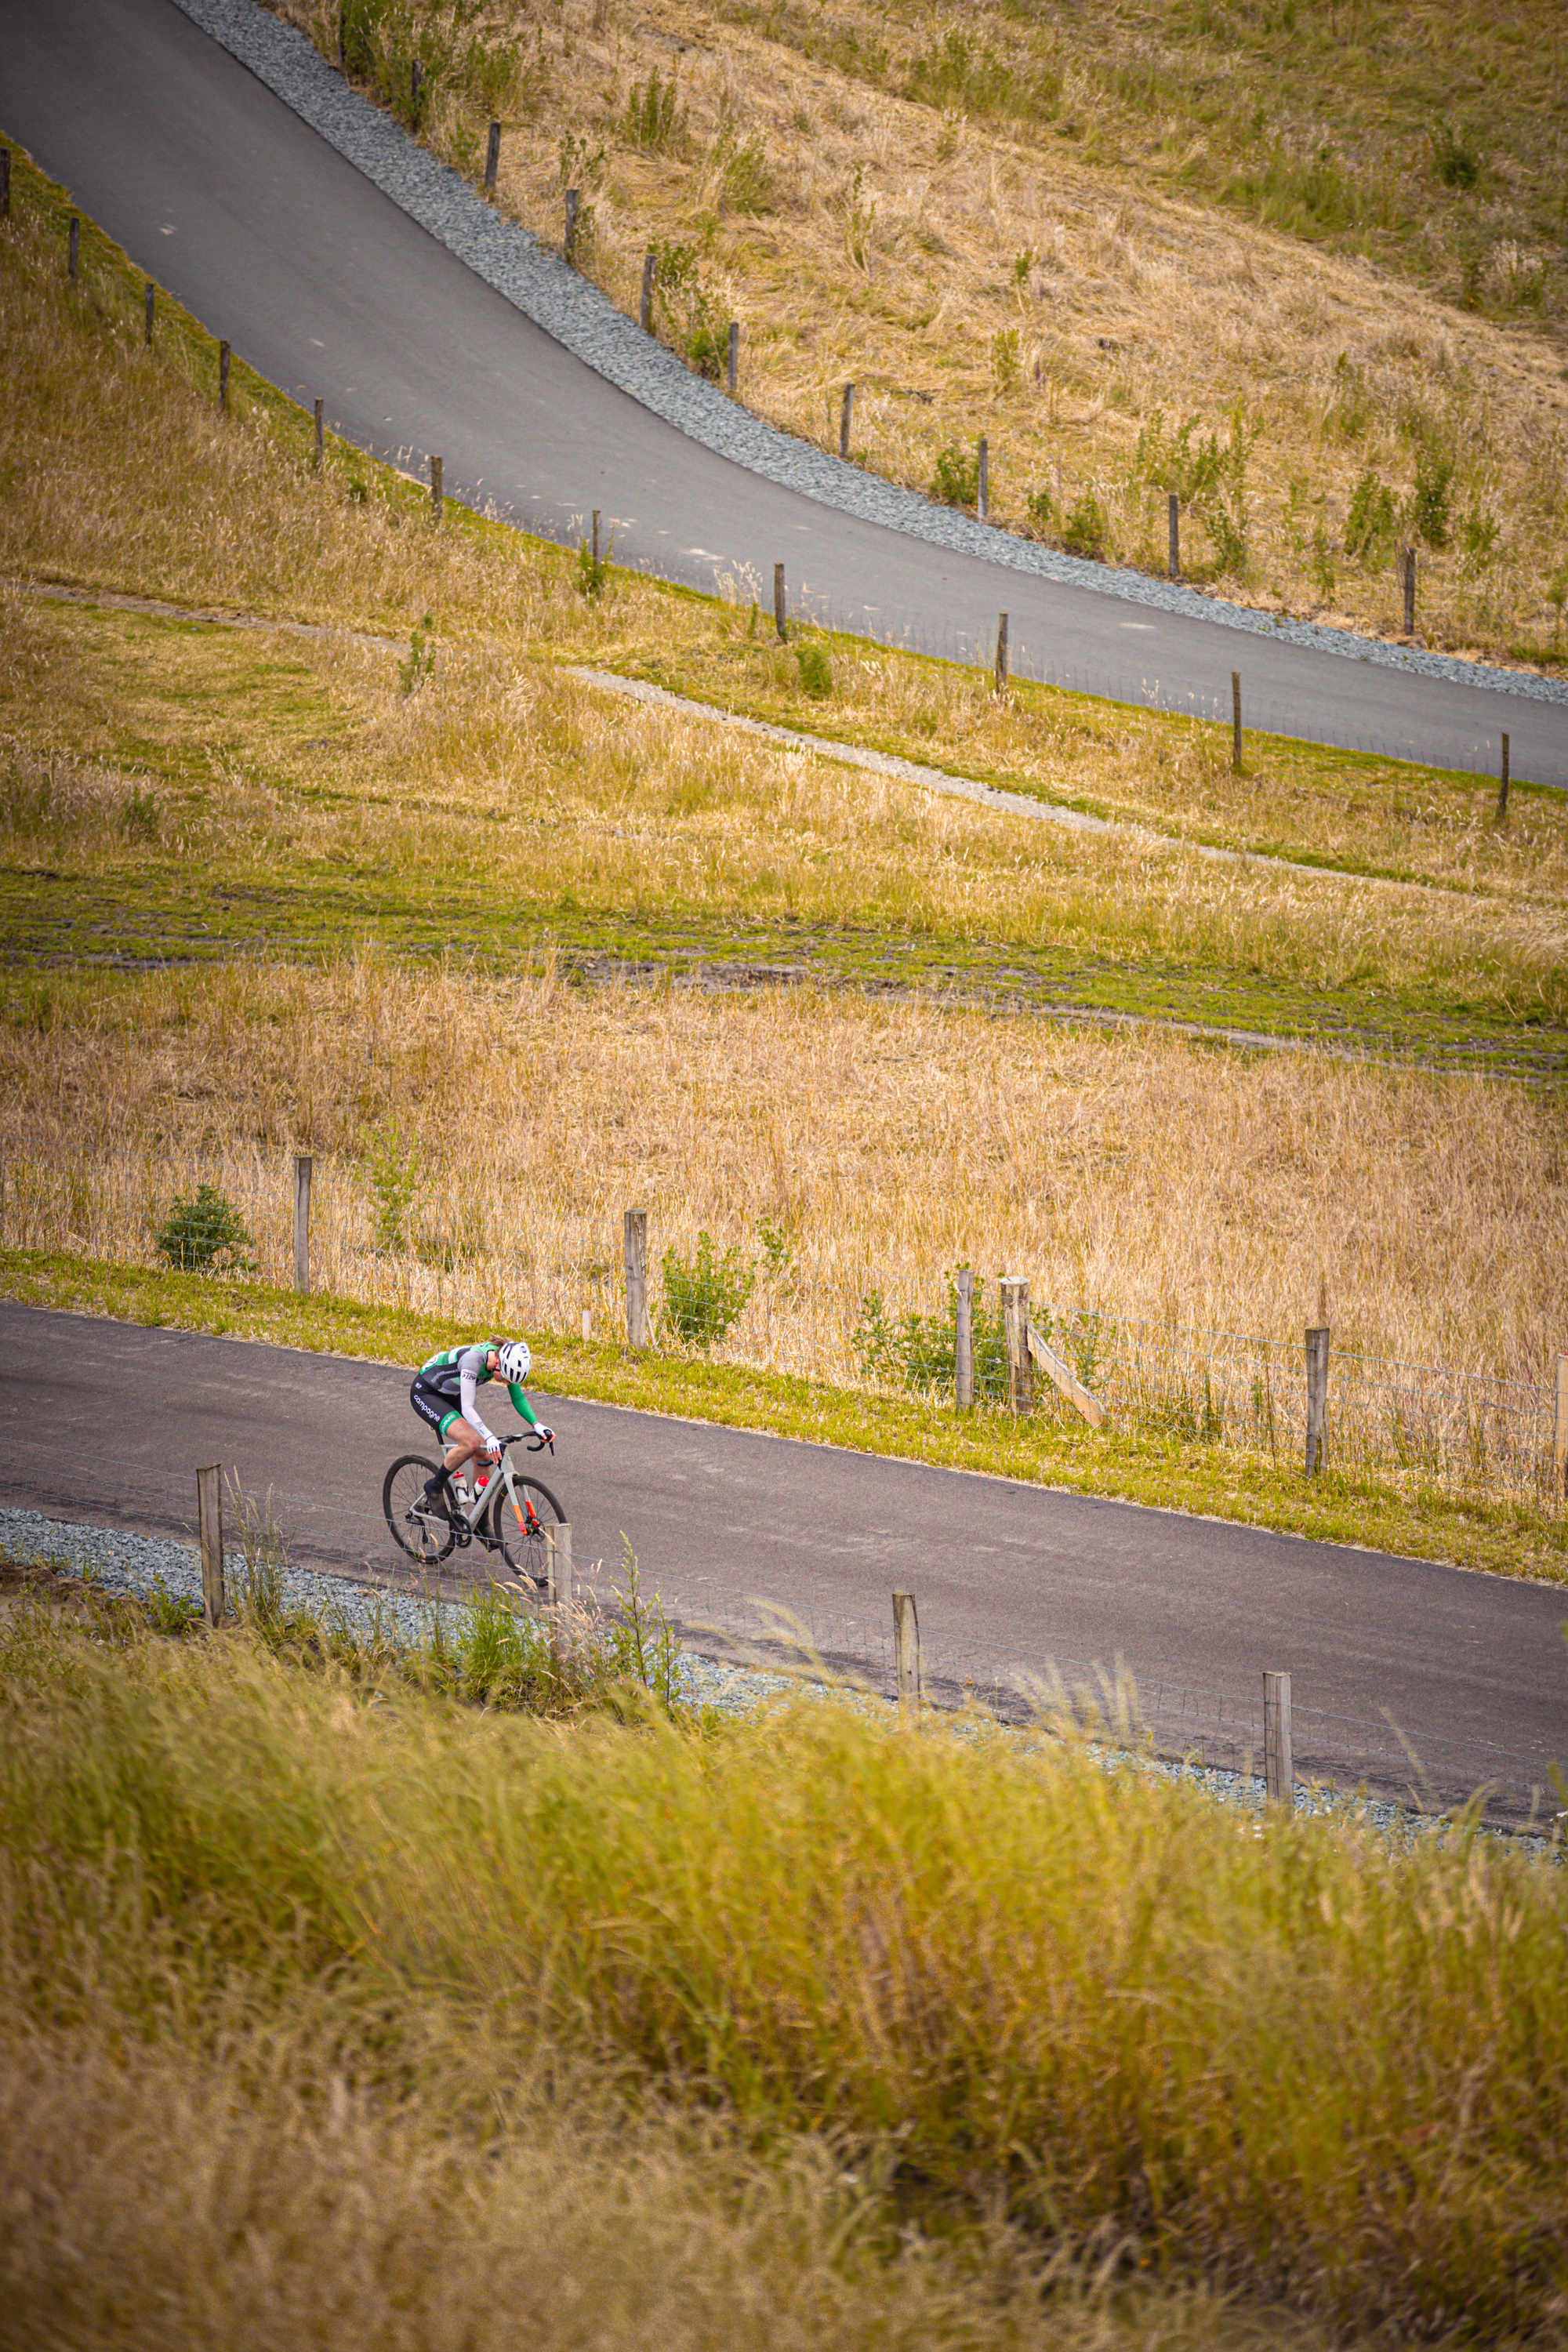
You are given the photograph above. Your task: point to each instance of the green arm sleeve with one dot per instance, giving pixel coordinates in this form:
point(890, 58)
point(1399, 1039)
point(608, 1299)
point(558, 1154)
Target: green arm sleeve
point(520, 1404)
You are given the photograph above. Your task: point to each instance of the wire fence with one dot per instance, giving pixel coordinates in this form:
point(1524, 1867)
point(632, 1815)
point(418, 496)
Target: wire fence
point(1161, 1715)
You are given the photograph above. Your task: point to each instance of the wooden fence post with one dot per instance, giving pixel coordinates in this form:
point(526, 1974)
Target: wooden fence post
point(320, 437)
point(1016, 1324)
point(1408, 568)
point(492, 159)
point(982, 479)
point(1560, 1424)
point(1317, 1395)
point(225, 356)
point(779, 603)
point(587, 1326)
point(964, 1339)
point(735, 363)
point(595, 538)
point(151, 299)
point(645, 315)
point(572, 200)
point(1002, 653)
point(303, 1165)
point(1278, 1762)
point(73, 247)
point(5, 184)
point(209, 1522)
point(907, 1653)
point(557, 1564)
point(438, 492)
point(416, 85)
point(638, 1332)
point(1236, 721)
point(1174, 514)
point(845, 413)
point(1502, 785)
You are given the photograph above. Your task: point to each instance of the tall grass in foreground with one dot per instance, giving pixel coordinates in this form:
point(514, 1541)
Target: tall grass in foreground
point(248, 1913)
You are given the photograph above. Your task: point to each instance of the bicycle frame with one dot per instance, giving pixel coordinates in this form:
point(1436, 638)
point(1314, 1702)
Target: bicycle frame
point(485, 1496)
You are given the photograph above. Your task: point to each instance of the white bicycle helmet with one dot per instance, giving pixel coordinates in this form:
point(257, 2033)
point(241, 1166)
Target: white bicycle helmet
point(515, 1360)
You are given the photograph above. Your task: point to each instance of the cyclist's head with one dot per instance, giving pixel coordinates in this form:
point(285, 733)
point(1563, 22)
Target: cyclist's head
point(514, 1360)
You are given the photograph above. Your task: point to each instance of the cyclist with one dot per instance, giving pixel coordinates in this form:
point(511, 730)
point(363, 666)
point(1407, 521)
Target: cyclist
point(445, 1394)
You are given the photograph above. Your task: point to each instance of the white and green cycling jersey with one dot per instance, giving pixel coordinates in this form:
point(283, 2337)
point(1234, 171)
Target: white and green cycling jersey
point(450, 1381)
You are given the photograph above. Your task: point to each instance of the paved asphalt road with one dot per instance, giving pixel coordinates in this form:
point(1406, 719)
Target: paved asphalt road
point(1454, 1657)
point(262, 230)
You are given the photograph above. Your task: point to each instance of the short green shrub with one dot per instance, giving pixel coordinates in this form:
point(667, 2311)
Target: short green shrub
point(956, 481)
point(705, 1295)
point(921, 1351)
point(206, 1234)
point(816, 670)
point(1084, 531)
point(1373, 522)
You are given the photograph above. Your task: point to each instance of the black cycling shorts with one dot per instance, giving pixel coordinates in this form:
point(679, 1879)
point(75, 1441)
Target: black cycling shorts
point(433, 1405)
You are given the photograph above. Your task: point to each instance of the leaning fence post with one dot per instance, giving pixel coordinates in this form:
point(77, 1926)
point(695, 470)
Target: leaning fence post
point(637, 1333)
point(73, 247)
point(1016, 1325)
point(1560, 1424)
point(492, 159)
point(734, 356)
point(1002, 653)
point(437, 493)
point(845, 413)
point(1278, 1762)
point(572, 200)
point(209, 1522)
point(1236, 721)
point(1317, 1395)
point(963, 1337)
point(151, 299)
point(982, 479)
point(1502, 785)
point(1408, 568)
point(320, 437)
point(1174, 513)
point(557, 1564)
point(906, 1652)
point(779, 603)
point(302, 1168)
point(645, 315)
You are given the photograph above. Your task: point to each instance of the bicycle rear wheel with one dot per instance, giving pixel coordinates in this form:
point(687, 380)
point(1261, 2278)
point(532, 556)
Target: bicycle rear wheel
point(421, 1529)
point(520, 1531)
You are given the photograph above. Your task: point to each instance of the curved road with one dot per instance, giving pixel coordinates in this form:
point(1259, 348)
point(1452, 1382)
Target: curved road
point(224, 195)
point(1472, 1667)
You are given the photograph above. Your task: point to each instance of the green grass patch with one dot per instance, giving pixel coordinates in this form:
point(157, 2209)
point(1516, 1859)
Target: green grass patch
point(1164, 1472)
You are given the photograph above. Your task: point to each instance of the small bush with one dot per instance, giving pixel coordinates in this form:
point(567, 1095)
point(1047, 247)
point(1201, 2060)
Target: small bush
point(1371, 522)
point(1040, 515)
point(956, 481)
point(921, 1351)
point(653, 120)
point(1430, 500)
point(816, 670)
point(1084, 533)
point(395, 1175)
point(703, 1297)
point(412, 673)
point(1006, 369)
point(1454, 159)
point(206, 1234)
point(593, 571)
point(741, 169)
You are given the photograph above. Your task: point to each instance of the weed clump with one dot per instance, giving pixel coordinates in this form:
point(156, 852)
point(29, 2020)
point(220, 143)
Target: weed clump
point(705, 1295)
point(204, 1234)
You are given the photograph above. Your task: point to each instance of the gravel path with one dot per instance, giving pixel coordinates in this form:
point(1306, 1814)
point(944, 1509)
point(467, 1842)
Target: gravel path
point(539, 283)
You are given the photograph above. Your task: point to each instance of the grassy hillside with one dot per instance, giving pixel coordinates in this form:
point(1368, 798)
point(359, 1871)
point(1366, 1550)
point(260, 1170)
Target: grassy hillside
point(410, 2023)
point(419, 779)
point(991, 222)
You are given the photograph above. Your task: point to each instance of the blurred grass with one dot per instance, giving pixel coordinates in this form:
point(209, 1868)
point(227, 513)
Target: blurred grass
point(979, 2004)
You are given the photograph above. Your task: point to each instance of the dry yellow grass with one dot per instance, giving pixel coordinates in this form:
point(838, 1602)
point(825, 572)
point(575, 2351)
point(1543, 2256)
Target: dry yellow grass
point(970, 282)
point(1141, 1177)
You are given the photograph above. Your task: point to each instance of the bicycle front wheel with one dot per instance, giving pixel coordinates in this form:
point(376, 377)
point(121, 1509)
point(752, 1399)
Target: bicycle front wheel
point(519, 1528)
point(420, 1527)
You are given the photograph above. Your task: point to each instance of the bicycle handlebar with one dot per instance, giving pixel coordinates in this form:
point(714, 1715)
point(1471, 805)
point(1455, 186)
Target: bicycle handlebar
point(537, 1442)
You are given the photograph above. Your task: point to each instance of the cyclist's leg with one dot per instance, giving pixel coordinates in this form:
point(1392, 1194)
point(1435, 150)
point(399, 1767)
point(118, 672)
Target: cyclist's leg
point(442, 1416)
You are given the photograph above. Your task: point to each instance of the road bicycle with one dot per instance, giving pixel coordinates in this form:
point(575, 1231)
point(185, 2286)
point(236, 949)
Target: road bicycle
point(508, 1515)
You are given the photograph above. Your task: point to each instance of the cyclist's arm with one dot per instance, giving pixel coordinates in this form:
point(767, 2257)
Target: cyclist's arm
point(520, 1404)
point(468, 1396)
